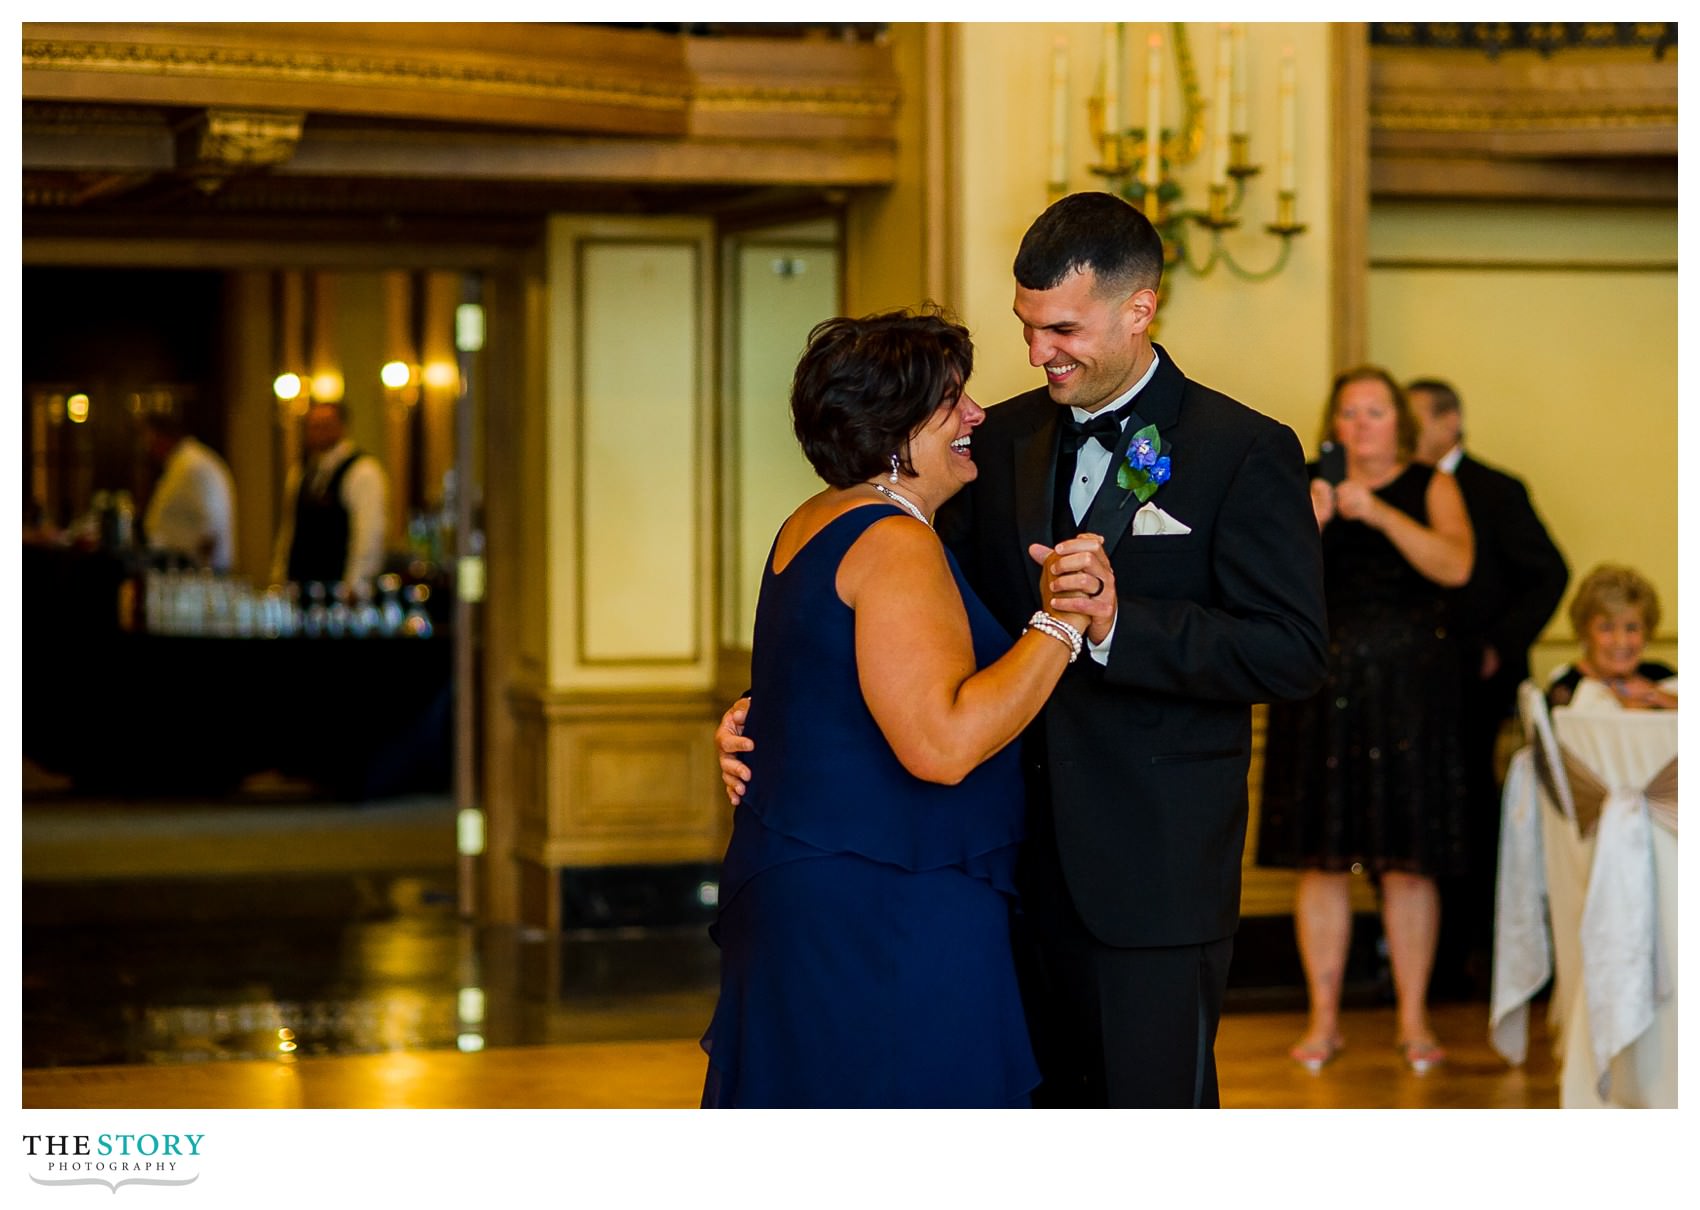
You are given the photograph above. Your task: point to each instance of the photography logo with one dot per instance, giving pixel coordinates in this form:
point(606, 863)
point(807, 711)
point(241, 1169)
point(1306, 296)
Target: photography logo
point(113, 1160)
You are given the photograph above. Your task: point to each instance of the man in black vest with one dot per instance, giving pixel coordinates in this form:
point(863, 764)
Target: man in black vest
point(333, 517)
point(1516, 583)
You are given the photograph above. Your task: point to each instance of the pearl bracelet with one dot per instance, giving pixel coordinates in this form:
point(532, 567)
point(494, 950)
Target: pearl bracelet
point(1059, 630)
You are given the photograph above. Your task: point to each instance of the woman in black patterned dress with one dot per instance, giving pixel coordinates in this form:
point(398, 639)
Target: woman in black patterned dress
point(1367, 775)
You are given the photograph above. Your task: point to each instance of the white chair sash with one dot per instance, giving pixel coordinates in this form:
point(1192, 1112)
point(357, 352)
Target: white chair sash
point(1522, 946)
point(1625, 973)
point(1604, 758)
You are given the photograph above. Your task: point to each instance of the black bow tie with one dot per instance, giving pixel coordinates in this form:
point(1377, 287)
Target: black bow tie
point(1105, 429)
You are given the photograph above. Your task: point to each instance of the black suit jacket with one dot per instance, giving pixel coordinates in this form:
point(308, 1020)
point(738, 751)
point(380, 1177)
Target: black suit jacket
point(1518, 577)
point(1145, 761)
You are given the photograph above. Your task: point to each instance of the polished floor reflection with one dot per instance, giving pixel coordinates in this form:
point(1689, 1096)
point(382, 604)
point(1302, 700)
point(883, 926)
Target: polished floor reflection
point(293, 954)
point(170, 931)
point(333, 966)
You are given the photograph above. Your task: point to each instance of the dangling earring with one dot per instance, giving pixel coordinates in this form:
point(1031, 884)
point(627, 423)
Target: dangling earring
point(894, 468)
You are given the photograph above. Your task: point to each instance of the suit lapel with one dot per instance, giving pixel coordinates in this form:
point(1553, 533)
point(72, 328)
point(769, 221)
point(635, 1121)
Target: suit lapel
point(1159, 403)
point(1035, 469)
point(1113, 507)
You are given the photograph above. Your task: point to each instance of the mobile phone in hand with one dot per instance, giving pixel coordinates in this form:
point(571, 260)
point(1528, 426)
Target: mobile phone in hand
point(1331, 465)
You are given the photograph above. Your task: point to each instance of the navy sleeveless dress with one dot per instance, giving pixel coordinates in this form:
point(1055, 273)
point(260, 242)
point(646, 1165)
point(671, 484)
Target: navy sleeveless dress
point(864, 913)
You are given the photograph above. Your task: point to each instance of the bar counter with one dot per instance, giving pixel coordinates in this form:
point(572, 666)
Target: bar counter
point(140, 714)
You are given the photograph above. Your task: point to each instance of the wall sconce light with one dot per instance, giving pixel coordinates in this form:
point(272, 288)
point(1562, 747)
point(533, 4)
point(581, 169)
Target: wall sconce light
point(1192, 237)
point(287, 387)
point(439, 375)
point(77, 408)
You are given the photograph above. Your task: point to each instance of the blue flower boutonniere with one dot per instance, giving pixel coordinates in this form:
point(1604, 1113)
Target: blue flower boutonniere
point(1147, 466)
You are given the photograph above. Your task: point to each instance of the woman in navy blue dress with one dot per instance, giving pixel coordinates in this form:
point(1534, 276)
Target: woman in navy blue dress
point(864, 920)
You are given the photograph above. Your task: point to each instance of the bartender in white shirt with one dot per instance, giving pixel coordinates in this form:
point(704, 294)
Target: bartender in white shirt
point(192, 511)
point(333, 511)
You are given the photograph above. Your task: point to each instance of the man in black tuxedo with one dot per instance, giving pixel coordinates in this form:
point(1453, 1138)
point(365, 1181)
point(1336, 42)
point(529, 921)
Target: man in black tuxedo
point(1517, 581)
point(1207, 596)
point(1205, 591)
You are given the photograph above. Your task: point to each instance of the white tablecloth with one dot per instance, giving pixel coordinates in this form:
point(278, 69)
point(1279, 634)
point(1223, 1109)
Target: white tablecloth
point(1611, 896)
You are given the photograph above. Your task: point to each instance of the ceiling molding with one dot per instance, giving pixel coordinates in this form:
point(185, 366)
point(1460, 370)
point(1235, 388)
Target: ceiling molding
point(1596, 125)
point(370, 106)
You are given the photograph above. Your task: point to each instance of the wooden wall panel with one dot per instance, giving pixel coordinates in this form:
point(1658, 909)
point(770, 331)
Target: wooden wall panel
point(631, 455)
point(616, 780)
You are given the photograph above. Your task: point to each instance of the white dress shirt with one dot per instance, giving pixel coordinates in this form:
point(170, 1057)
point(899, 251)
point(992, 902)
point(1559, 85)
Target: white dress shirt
point(1091, 464)
point(1450, 459)
point(365, 489)
point(193, 507)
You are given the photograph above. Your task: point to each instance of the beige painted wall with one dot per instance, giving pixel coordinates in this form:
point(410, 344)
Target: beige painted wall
point(1558, 326)
point(889, 242)
point(1265, 343)
point(768, 474)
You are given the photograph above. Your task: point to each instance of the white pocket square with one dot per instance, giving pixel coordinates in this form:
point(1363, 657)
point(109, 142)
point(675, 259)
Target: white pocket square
point(1152, 520)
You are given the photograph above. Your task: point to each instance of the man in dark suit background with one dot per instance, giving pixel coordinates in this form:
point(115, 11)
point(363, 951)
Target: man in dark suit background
point(1517, 581)
point(1207, 597)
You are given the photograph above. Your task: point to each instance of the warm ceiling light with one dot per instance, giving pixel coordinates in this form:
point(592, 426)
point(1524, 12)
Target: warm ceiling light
point(286, 386)
point(442, 374)
point(77, 408)
point(327, 386)
point(395, 375)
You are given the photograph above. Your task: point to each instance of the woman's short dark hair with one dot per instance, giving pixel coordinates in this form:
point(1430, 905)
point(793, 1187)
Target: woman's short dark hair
point(1405, 418)
point(863, 386)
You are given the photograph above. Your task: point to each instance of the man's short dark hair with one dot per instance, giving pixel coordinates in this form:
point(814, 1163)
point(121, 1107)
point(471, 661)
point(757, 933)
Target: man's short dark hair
point(1443, 394)
point(1096, 231)
point(864, 385)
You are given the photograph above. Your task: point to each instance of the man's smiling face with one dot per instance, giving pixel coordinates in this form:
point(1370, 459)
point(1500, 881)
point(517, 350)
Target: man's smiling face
point(1088, 342)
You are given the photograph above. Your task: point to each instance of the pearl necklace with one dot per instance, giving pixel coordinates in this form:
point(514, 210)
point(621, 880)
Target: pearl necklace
point(902, 502)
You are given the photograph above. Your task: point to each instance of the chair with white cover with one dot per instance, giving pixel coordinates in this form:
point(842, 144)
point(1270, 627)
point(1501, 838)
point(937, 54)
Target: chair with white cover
point(1523, 944)
point(1602, 784)
point(1620, 1043)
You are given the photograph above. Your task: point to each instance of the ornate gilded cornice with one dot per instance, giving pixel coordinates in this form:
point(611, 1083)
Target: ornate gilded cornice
point(1545, 38)
point(302, 67)
point(537, 103)
point(841, 101)
point(1585, 102)
point(1443, 117)
point(1469, 113)
point(223, 141)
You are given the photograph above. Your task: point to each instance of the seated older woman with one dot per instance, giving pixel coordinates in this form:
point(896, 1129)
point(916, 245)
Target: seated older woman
point(1615, 611)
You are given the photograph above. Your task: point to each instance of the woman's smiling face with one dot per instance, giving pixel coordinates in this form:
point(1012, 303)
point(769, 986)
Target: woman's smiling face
point(1614, 641)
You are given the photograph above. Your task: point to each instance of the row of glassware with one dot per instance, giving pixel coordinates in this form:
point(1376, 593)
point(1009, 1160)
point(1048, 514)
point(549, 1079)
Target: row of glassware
point(203, 603)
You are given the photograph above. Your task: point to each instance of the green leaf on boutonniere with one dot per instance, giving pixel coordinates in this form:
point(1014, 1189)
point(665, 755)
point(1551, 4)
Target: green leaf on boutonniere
point(1145, 467)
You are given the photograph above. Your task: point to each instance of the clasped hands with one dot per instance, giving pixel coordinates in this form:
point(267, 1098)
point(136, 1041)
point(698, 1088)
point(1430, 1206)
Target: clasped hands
point(1077, 583)
point(1639, 693)
point(1352, 500)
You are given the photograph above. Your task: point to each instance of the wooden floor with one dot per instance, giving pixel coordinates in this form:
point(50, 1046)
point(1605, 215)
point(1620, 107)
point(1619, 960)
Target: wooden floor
point(1251, 1055)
